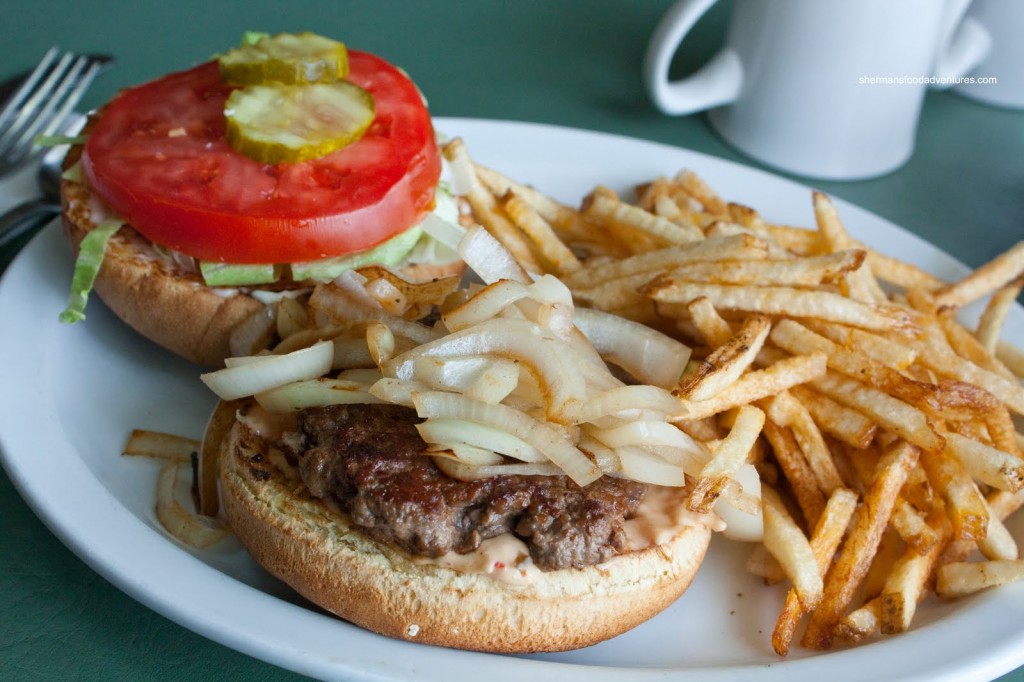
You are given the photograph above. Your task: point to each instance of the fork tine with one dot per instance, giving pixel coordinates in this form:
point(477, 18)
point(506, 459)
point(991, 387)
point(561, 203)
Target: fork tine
point(72, 99)
point(68, 85)
point(45, 110)
point(38, 97)
point(26, 88)
point(29, 108)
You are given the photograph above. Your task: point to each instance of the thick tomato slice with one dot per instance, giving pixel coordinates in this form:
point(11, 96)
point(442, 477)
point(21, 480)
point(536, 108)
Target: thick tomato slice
point(157, 155)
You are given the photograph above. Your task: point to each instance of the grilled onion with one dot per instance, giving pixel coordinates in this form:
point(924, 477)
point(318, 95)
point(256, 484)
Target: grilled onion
point(556, 444)
point(264, 372)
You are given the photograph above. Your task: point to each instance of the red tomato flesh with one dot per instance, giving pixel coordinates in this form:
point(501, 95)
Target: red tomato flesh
point(157, 155)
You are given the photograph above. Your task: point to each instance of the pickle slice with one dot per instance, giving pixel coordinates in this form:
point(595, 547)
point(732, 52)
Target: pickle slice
point(294, 58)
point(291, 123)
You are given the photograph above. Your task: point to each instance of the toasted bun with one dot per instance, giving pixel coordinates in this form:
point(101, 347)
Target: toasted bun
point(173, 309)
point(381, 588)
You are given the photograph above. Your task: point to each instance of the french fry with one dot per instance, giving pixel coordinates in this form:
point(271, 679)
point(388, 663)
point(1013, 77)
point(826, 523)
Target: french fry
point(861, 281)
point(755, 385)
point(788, 544)
point(540, 232)
point(961, 579)
point(669, 199)
point(966, 345)
point(704, 430)
point(1011, 357)
point(696, 187)
point(725, 365)
point(864, 462)
point(672, 209)
point(562, 217)
point(854, 559)
point(796, 338)
point(737, 247)
point(601, 206)
point(990, 323)
point(747, 217)
point(912, 527)
point(998, 543)
point(998, 272)
point(917, 490)
point(783, 301)
point(999, 505)
point(948, 399)
point(618, 294)
point(797, 240)
point(886, 351)
point(787, 411)
point(843, 464)
point(723, 228)
point(994, 467)
point(860, 623)
point(1002, 503)
point(890, 549)
point(798, 473)
point(160, 445)
point(731, 454)
point(486, 210)
point(712, 326)
point(900, 273)
point(965, 505)
point(890, 413)
point(1002, 431)
point(906, 584)
point(828, 533)
point(798, 272)
point(838, 421)
point(648, 193)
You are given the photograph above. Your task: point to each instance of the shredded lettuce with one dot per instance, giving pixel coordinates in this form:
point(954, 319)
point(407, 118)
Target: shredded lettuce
point(73, 173)
point(58, 140)
point(253, 37)
point(87, 266)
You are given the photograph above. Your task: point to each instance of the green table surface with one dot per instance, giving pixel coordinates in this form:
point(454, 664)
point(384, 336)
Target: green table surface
point(567, 63)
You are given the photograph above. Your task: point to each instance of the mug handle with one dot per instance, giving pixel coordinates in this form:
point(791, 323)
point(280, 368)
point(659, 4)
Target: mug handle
point(716, 83)
point(966, 43)
point(969, 47)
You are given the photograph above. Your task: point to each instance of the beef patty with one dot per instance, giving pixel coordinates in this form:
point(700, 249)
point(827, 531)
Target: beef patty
point(367, 459)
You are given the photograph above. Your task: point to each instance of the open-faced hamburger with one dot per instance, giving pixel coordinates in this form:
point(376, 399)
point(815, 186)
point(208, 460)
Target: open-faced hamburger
point(487, 482)
point(209, 193)
point(509, 563)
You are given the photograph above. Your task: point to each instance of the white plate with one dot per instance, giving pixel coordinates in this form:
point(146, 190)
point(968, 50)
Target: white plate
point(73, 393)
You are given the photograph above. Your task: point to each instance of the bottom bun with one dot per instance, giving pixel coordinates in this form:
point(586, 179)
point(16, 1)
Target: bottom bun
point(381, 588)
point(173, 309)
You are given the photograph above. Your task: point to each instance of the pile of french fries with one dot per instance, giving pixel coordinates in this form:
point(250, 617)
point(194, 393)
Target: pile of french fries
point(880, 425)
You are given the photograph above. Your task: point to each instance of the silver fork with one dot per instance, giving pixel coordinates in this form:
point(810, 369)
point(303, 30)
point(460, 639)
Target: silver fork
point(42, 104)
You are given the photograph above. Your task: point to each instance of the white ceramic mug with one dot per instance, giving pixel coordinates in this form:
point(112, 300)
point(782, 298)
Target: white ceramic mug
point(1004, 21)
point(823, 88)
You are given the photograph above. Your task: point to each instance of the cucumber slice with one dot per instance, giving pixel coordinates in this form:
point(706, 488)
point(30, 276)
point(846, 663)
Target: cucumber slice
point(293, 58)
point(236, 274)
point(292, 123)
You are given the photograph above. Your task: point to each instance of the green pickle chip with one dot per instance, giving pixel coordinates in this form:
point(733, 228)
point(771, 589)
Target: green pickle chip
point(290, 123)
point(293, 58)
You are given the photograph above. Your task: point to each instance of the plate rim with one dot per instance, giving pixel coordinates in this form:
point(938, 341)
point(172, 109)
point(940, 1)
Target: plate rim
point(1000, 660)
